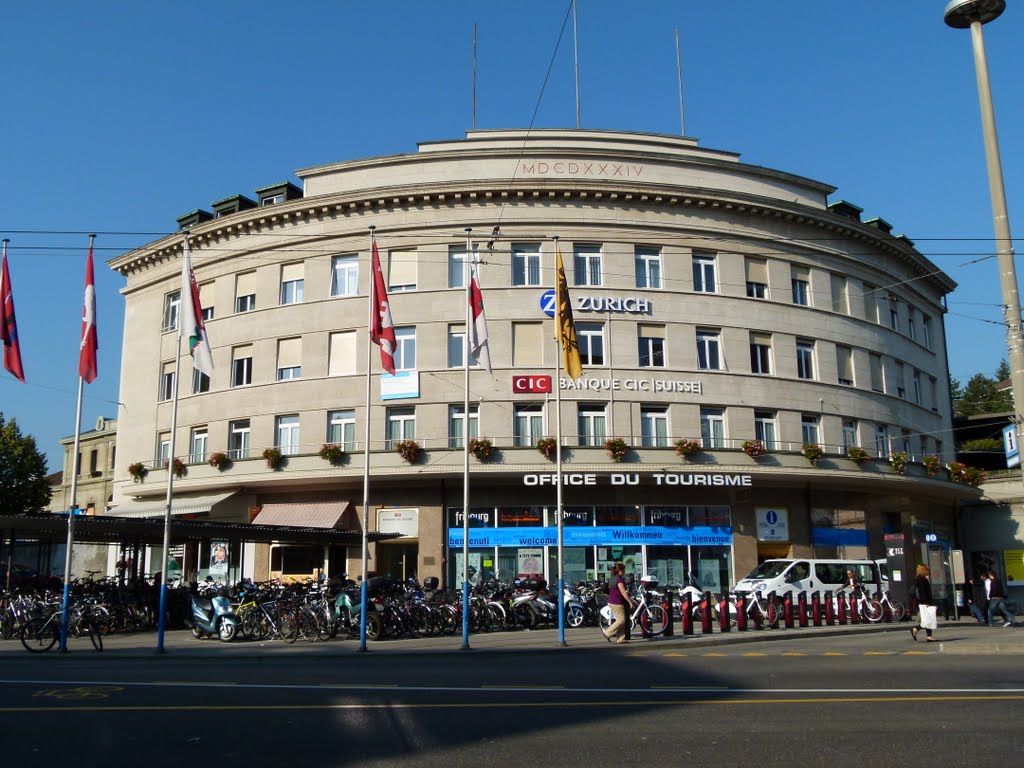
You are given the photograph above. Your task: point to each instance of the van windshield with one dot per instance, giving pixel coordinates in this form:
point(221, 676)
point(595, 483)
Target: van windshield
point(769, 569)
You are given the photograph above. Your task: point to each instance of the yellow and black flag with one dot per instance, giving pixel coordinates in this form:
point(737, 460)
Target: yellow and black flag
point(565, 327)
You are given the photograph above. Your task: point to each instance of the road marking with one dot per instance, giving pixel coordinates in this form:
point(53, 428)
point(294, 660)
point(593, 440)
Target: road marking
point(793, 653)
point(715, 654)
point(82, 692)
point(918, 653)
point(834, 653)
point(391, 706)
point(880, 653)
point(522, 687)
point(674, 654)
point(752, 653)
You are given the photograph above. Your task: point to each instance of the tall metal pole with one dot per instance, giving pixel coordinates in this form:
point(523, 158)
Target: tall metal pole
point(679, 75)
point(558, 458)
point(72, 510)
point(474, 75)
point(465, 447)
point(366, 450)
point(576, 60)
point(963, 14)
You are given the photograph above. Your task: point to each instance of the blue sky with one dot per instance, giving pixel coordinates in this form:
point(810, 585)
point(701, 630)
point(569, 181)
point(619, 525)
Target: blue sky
point(118, 117)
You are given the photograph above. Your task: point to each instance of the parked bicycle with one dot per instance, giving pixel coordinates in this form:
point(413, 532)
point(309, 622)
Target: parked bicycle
point(40, 634)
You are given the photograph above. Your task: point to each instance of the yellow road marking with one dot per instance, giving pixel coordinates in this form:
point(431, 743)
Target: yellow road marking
point(879, 653)
point(834, 653)
point(751, 653)
point(716, 654)
point(793, 653)
point(675, 654)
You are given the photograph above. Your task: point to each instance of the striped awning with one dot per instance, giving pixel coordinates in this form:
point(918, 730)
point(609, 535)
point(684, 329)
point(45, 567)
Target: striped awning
point(180, 505)
point(311, 514)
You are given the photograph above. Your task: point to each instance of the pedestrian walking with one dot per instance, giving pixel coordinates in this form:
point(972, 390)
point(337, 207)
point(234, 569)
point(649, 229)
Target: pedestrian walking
point(976, 598)
point(997, 601)
point(618, 599)
point(925, 603)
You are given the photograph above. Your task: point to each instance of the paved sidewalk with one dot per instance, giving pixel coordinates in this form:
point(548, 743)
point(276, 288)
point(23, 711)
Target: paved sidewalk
point(954, 637)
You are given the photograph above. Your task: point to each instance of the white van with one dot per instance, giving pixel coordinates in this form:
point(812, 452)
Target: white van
point(810, 575)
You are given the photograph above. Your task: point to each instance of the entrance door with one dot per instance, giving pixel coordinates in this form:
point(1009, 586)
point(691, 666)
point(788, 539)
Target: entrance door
point(398, 560)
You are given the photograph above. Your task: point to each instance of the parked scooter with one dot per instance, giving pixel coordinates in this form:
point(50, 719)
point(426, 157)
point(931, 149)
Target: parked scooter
point(213, 614)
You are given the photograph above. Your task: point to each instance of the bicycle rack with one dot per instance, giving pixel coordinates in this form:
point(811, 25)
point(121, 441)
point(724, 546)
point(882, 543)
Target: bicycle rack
point(886, 609)
point(724, 623)
point(787, 610)
point(801, 607)
point(830, 609)
point(772, 599)
point(705, 614)
point(854, 610)
point(816, 608)
point(842, 609)
point(741, 613)
point(666, 605)
point(686, 614)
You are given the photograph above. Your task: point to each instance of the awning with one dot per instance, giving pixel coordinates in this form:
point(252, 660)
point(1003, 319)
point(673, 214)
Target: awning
point(181, 505)
point(312, 514)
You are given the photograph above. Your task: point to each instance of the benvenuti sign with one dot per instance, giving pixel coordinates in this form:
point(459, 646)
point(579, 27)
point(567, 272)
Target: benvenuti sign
point(598, 536)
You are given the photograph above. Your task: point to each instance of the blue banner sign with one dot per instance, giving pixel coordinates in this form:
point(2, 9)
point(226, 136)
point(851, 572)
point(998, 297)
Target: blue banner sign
point(597, 536)
point(839, 537)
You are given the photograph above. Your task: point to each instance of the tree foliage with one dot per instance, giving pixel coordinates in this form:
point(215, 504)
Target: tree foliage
point(23, 486)
point(981, 395)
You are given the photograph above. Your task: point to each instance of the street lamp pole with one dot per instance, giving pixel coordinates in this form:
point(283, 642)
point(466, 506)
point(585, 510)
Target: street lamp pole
point(972, 14)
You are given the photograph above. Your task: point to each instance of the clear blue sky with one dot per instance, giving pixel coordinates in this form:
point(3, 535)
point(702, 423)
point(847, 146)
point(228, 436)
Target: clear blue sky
point(119, 117)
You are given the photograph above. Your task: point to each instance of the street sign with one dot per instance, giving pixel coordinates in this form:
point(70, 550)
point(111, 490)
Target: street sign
point(1011, 446)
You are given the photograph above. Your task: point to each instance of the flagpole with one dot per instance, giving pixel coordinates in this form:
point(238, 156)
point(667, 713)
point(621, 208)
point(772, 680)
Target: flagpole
point(366, 451)
point(474, 75)
point(679, 71)
point(69, 546)
point(558, 454)
point(576, 61)
point(465, 446)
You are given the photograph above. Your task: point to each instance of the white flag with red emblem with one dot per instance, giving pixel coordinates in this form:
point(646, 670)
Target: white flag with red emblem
point(478, 346)
point(90, 342)
point(382, 328)
point(191, 312)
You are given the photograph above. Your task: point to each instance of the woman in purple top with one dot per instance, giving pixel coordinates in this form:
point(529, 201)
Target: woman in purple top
point(618, 598)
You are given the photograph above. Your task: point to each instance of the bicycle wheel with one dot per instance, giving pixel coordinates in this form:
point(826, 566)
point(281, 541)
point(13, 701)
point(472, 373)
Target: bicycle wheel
point(772, 613)
point(653, 619)
point(95, 635)
point(871, 610)
point(40, 635)
point(899, 610)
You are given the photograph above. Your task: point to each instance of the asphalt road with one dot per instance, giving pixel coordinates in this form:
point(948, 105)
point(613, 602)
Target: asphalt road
point(836, 701)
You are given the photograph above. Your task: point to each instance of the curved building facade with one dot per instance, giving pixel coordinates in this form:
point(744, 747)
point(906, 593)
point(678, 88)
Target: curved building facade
point(713, 300)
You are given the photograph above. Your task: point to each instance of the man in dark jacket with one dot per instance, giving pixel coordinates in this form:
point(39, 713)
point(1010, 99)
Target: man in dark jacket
point(997, 601)
point(976, 599)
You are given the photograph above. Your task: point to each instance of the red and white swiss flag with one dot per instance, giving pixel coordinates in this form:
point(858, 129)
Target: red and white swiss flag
point(382, 330)
point(90, 343)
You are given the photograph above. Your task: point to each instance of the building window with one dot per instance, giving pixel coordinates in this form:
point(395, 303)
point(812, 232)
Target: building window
point(527, 424)
point(405, 352)
point(172, 303)
point(94, 459)
point(586, 261)
point(590, 337)
point(400, 424)
point(654, 426)
point(197, 449)
point(456, 424)
point(761, 353)
point(590, 424)
point(849, 434)
point(241, 366)
point(877, 382)
point(765, 429)
point(527, 344)
point(206, 296)
point(870, 303)
point(245, 292)
point(801, 286)
point(341, 429)
point(345, 275)
point(647, 265)
point(167, 382)
point(712, 427)
point(201, 382)
point(881, 440)
point(844, 365)
point(456, 266)
point(341, 356)
point(901, 382)
point(840, 294)
point(525, 265)
point(163, 450)
point(809, 428)
point(289, 359)
point(291, 283)
point(805, 359)
point(401, 271)
point(894, 317)
point(911, 324)
point(704, 273)
point(757, 278)
point(933, 389)
point(926, 330)
point(709, 357)
point(905, 441)
point(457, 347)
point(238, 439)
point(287, 430)
point(651, 346)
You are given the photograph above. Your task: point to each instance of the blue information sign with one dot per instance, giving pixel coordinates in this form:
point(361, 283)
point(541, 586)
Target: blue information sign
point(593, 536)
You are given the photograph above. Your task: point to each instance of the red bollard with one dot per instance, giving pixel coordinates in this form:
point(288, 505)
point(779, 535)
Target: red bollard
point(816, 608)
point(666, 604)
point(842, 607)
point(801, 607)
point(830, 609)
point(741, 612)
point(705, 613)
point(686, 615)
point(854, 609)
point(787, 610)
point(772, 599)
point(724, 624)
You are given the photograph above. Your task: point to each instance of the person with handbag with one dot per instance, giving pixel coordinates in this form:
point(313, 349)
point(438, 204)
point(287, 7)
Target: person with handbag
point(922, 591)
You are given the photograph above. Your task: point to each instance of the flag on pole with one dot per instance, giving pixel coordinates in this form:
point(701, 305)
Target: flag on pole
point(90, 343)
point(565, 327)
point(382, 328)
point(9, 325)
point(477, 331)
point(191, 314)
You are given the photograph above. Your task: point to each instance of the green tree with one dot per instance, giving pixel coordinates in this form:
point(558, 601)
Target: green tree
point(981, 396)
point(1003, 371)
point(23, 486)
